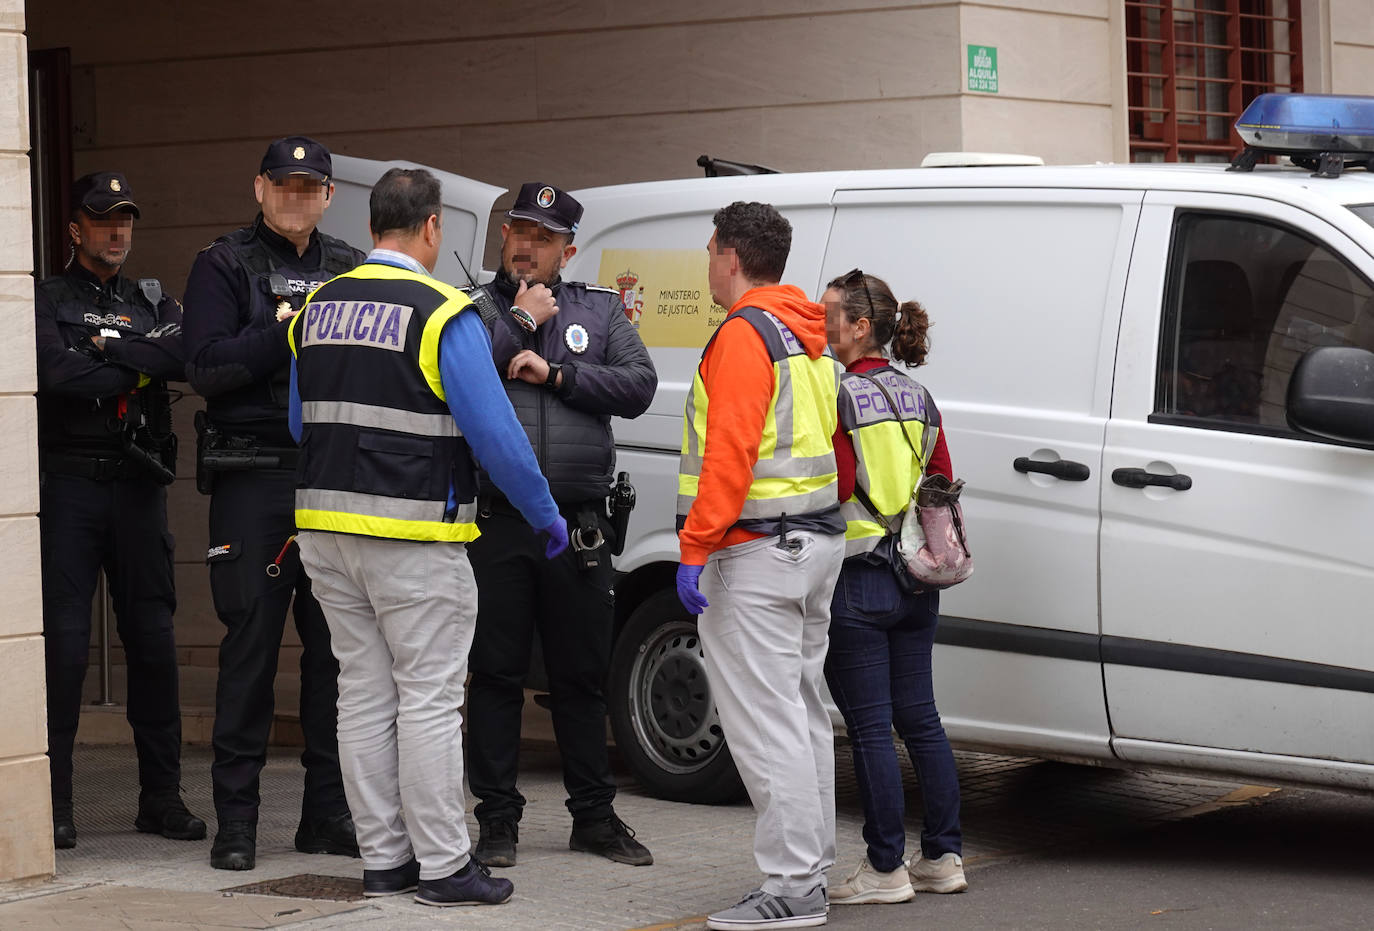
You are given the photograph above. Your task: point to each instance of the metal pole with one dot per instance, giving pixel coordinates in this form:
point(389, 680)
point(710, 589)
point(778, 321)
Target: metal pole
point(105, 700)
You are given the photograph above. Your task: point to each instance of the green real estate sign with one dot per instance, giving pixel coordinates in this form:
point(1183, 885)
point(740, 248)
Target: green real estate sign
point(982, 68)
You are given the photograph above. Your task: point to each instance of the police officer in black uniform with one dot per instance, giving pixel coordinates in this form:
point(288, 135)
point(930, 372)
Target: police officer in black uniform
point(106, 346)
point(242, 291)
point(571, 360)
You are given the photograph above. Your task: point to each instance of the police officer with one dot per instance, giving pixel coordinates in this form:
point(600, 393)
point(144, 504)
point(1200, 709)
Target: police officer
point(242, 290)
point(106, 345)
point(571, 360)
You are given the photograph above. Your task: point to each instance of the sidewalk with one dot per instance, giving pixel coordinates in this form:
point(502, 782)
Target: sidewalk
point(116, 878)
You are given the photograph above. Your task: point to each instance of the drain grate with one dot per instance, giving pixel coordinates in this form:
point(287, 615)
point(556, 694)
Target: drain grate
point(307, 886)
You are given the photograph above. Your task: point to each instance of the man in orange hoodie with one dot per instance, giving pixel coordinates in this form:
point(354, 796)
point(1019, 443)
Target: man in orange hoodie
point(761, 542)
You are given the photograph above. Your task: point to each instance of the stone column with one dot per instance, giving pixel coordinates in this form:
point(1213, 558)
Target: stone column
point(25, 805)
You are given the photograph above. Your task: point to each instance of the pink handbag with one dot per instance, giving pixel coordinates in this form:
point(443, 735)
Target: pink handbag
point(933, 542)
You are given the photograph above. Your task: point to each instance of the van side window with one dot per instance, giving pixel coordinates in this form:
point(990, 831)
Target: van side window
point(1245, 300)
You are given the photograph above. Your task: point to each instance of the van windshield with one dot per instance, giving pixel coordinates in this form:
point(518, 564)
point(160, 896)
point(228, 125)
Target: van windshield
point(1365, 212)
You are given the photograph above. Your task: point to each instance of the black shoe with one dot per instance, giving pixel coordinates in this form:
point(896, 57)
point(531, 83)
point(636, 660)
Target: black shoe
point(164, 813)
point(472, 885)
point(235, 846)
point(330, 834)
point(496, 842)
point(403, 878)
point(612, 839)
point(63, 828)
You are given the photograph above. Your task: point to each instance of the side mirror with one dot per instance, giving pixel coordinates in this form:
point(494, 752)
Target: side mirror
point(1331, 394)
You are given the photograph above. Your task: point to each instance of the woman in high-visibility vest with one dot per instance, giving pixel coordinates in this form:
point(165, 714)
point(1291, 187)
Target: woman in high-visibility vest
point(878, 667)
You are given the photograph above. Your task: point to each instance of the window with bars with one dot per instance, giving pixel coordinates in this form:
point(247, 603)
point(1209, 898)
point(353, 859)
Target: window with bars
point(1193, 65)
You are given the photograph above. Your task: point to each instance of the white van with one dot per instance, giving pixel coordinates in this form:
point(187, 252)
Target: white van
point(1174, 535)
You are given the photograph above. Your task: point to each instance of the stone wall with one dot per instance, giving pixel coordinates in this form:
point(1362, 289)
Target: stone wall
point(25, 807)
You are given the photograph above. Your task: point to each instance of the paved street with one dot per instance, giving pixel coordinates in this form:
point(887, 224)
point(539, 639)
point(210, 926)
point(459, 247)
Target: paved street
point(1047, 846)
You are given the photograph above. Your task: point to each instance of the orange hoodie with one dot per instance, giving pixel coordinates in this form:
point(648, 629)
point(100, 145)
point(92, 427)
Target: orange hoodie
point(738, 375)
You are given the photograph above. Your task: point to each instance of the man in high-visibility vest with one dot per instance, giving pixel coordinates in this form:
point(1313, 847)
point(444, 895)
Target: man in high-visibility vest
point(391, 398)
point(761, 541)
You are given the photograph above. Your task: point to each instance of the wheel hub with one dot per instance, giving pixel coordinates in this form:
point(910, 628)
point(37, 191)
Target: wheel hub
point(670, 701)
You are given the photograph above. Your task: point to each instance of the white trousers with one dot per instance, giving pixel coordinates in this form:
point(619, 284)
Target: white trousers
point(401, 618)
point(764, 638)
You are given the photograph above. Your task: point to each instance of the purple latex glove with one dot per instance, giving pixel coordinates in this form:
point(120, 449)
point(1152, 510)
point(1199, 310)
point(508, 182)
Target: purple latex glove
point(687, 591)
point(558, 537)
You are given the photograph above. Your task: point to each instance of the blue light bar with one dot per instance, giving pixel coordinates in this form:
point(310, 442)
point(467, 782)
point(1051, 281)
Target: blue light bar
point(1309, 123)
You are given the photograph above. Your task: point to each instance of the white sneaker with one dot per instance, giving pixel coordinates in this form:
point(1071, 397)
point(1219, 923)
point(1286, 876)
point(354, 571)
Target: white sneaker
point(943, 875)
point(867, 885)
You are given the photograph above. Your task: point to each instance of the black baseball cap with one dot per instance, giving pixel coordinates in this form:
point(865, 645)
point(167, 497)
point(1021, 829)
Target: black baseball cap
point(548, 206)
point(101, 192)
point(297, 155)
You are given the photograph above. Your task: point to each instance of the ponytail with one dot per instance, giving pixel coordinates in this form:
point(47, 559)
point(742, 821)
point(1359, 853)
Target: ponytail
point(910, 340)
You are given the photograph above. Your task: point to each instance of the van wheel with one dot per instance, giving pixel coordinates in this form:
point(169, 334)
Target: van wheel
point(664, 720)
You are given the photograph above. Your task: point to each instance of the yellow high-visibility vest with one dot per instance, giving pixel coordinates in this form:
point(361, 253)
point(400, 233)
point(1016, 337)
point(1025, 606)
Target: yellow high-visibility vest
point(795, 471)
point(380, 449)
point(886, 469)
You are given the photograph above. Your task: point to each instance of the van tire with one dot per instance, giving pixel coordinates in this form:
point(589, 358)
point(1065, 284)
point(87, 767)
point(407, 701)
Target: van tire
point(661, 710)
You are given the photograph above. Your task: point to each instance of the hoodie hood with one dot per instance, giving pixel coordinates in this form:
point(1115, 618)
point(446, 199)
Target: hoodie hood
point(805, 318)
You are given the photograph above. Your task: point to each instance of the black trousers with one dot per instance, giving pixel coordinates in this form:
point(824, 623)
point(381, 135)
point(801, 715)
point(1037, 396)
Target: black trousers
point(120, 525)
point(252, 516)
point(519, 591)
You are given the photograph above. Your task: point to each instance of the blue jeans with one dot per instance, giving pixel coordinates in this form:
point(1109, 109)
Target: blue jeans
point(878, 670)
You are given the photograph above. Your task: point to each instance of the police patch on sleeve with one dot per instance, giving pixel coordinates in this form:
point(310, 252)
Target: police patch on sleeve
point(575, 336)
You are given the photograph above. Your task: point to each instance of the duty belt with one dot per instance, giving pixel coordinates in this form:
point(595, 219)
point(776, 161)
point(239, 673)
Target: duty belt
point(102, 469)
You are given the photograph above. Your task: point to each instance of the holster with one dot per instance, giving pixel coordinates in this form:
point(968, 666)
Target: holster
point(618, 507)
point(205, 435)
point(217, 451)
point(147, 438)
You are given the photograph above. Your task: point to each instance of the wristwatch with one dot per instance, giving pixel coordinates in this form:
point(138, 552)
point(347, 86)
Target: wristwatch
point(524, 318)
point(552, 380)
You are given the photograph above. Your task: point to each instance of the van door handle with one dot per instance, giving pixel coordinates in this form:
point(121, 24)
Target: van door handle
point(1066, 469)
point(1139, 478)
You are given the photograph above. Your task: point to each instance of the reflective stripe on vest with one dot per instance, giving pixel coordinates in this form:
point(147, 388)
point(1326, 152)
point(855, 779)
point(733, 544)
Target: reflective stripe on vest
point(405, 356)
point(884, 466)
point(795, 471)
point(375, 417)
point(381, 516)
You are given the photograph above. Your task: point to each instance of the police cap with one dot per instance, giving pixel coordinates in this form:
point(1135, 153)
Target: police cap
point(548, 206)
point(101, 192)
point(297, 155)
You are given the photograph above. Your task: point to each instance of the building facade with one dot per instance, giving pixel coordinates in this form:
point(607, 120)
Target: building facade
point(183, 97)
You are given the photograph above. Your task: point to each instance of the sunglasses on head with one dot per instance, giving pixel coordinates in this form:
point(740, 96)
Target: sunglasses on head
point(856, 276)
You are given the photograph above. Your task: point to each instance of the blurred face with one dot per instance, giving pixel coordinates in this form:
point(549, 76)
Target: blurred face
point(102, 243)
point(719, 263)
point(848, 340)
point(292, 205)
point(532, 253)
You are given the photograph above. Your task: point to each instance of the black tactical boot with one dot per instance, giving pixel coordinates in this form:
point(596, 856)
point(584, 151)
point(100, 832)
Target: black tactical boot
point(63, 828)
point(496, 842)
point(330, 834)
point(163, 812)
point(235, 846)
point(612, 839)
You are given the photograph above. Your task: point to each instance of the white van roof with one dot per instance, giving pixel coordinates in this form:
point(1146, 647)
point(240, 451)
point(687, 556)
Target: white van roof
point(1353, 187)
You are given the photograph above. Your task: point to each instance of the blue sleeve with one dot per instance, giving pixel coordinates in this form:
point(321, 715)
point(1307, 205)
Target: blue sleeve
point(483, 412)
point(293, 410)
